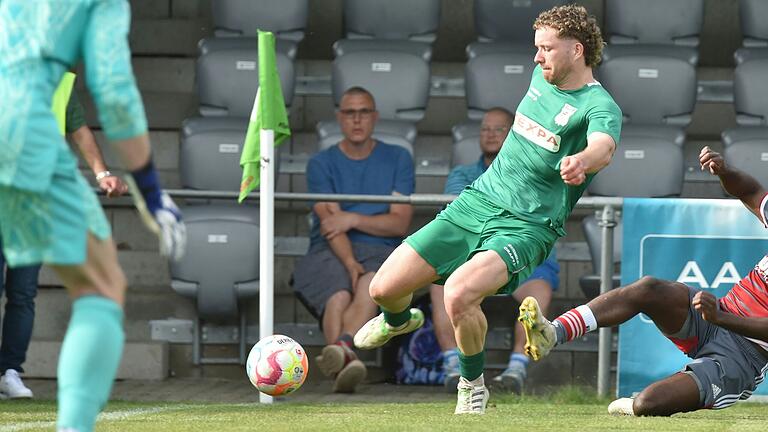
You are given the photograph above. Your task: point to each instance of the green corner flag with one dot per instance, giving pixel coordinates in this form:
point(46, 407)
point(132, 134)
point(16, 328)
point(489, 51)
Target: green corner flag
point(268, 113)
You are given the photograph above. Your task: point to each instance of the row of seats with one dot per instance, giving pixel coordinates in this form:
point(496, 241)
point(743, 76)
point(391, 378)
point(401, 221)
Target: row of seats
point(387, 50)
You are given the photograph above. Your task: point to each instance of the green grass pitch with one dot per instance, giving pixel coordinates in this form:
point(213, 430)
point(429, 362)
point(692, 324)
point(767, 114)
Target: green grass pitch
point(568, 410)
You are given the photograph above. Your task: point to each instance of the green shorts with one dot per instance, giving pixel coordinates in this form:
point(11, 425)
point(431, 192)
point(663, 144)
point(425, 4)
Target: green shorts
point(51, 227)
point(472, 224)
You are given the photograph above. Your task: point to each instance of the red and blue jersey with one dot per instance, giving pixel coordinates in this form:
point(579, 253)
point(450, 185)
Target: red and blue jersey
point(749, 297)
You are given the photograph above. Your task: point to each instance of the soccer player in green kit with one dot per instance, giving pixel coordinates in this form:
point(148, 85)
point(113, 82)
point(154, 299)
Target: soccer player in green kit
point(505, 223)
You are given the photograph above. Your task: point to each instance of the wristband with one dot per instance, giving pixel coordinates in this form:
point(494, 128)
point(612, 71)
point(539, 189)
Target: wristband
point(149, 185)
point(102, 175)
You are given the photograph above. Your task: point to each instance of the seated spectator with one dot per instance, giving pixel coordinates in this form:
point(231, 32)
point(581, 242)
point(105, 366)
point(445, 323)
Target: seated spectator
point(493, 130)
point(349, 241)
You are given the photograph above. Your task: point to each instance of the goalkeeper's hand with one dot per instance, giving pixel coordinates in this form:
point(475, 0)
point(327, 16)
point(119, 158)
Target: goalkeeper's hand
point(158, 211)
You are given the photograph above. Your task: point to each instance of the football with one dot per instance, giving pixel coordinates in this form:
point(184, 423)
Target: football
point(277, 365)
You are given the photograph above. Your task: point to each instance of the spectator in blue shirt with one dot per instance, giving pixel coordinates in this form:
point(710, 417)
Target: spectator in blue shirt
point(349, 241)
point(545, 278)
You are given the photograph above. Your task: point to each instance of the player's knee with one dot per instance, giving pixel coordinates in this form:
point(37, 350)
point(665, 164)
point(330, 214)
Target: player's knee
point(646, 404)
point(378, 289)
point(645, 289)
point(457, 301)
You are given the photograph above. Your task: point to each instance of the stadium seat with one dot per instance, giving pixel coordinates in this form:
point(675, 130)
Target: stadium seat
point(590, 283)
point(242, 18)
point(646, 164)
point(399, 81)
point(506, 26)
point(395, 25)
point(752, 15)
point(754, 28)
point(466, 143)
point(209, 156)
point(220, 269)
point(746, 148)
point(496, 79)
point(282, 46)
point(651, 90)
point(227, 80)
point(388, 131)
point(665, 28)
point(750, 97)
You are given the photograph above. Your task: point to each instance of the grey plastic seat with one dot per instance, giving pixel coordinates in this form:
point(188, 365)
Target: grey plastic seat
point(671, 28)
point(750, 94)
point(496, 79)
point(399, 81)
point(287, 19)
point(507, 25)
point(209, 156)
point(590, 283)
point(236, 19)
point(746, 148)
point(466, 143)
point(644, 165)
point(283, 46)
point(209, 153)
point(396, 25)
point(651, 90)
point(752, 15)
point(220, 269)
point(227, 80)
point(394, 132)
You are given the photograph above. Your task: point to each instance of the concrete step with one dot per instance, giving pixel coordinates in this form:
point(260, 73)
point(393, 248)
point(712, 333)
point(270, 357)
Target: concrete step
point(140, 361)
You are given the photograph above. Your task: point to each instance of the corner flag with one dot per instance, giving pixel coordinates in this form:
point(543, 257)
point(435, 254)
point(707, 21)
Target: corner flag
point(268, 113)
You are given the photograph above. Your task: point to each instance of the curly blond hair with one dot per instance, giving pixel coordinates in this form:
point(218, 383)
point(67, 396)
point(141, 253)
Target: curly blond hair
point(573, 21)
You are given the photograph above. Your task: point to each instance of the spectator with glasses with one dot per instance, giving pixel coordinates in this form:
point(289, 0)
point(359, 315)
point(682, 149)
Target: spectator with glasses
point(350, 240)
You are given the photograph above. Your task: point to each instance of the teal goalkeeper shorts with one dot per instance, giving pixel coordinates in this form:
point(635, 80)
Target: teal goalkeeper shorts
point(51, 227)
point(472, 224)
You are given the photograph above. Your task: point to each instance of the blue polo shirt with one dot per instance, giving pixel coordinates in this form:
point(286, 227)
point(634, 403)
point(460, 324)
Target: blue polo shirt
point(387, 169)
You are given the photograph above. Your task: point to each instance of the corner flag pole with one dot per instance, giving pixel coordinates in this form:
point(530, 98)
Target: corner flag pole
point(266, 239)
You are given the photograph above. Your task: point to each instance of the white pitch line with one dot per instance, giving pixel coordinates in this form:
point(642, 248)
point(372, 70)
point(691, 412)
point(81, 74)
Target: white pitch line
point(108, 416)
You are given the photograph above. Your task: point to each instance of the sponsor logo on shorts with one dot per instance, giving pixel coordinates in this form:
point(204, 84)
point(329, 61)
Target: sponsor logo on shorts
point(536, 133)
point(716, 390)
point(565, 115)
point(512, 252)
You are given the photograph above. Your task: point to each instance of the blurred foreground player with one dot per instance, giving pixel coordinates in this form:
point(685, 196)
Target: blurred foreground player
point(48, 213)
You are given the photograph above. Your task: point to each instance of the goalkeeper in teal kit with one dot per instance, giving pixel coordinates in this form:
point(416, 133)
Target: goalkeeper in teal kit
point(48, 213)
point(505, 223)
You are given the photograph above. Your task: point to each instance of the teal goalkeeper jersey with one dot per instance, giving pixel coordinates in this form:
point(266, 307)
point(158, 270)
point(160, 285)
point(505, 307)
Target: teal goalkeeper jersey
point(549, 124)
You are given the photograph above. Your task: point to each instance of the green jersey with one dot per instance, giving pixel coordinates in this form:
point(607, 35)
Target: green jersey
point(549, 124)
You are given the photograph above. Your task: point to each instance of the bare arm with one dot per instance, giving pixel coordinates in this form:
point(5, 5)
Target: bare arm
point(597, 155)
point(395, 223)
point(752, 327)
point(86, 143)
point(340, 244)
point(737, 183)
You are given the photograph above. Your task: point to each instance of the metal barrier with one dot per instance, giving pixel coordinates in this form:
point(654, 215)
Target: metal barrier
point(606, 217)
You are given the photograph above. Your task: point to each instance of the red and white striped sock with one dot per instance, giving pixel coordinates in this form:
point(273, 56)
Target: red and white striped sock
point(575, 323)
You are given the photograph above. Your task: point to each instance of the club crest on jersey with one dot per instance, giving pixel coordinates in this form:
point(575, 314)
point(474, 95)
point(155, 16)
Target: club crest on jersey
point(536, 133)
point(565, 115)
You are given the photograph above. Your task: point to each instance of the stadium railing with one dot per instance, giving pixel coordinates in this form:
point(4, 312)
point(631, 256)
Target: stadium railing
point(606, 213)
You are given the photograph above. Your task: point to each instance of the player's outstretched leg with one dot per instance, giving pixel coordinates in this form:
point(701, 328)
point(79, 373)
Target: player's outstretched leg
point(379, 331)
point(392, 289)
point(540, 334)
